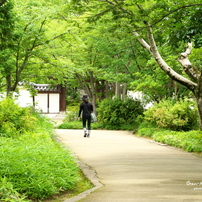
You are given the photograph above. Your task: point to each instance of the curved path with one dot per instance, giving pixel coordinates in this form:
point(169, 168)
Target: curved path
point(135, 169)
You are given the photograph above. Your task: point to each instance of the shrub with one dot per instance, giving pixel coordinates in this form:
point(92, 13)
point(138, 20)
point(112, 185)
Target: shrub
point(15, 120)
point(119, 114)
point(173, 115)
point(71, 113)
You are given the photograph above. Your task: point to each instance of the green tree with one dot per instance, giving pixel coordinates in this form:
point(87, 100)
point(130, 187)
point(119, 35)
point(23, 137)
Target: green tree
point(7, 19)
point(24, 36)
point(147, 19)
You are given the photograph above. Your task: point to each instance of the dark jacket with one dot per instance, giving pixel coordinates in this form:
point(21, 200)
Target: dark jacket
point(86, 108)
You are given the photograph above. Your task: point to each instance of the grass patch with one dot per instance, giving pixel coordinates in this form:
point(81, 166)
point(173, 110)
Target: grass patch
point(78, 125)
point(190, 141)
point(33, 165)
point(83, 185)
point(38, 167)
point(95, 126)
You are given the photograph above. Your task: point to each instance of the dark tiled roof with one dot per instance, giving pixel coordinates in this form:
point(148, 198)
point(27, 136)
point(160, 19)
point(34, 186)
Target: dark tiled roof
point(42, 87)
point(46, 87)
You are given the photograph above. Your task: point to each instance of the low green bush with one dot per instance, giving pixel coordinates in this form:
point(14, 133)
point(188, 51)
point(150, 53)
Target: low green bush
point(191, 141)
point(173, 115)
point(115, 114)
point(71, 113)
point(15, 120)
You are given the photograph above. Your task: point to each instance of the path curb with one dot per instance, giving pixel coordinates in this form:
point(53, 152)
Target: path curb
point(91, 175)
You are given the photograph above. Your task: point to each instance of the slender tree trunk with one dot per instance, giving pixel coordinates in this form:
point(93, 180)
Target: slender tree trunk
point(175, 89)
point(199, 105)
point(106, 89)
point(8, 84)
point(93, 91)
point(124, 89)
point(118, 90)
point(83, 84)
point(198, 96)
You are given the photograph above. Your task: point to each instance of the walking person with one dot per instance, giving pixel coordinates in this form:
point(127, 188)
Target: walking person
point(86, 108)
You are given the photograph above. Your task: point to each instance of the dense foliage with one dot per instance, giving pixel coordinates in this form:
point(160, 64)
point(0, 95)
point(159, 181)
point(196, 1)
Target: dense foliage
point(32, 165)
point(15, 120)
point(119, 114)
point(173, 115)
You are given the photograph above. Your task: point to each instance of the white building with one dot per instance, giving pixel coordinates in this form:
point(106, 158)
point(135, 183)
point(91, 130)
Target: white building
point(48, 99)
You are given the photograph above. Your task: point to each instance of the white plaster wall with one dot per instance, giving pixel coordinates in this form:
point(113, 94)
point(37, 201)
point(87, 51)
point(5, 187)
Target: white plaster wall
point(24, 99)
point(54, 103)
point(41, 102)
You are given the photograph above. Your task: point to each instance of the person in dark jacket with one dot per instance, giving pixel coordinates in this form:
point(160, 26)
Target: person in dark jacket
point(86, 108)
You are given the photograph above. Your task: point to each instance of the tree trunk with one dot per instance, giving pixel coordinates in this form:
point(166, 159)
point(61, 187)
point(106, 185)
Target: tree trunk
point(198, 96)
point(152, 48)
point(106, 89)
point(175, 89)
point(124, 90)
point(8, 85)
point(93, 91)
point(199, 105)
point(118, 90)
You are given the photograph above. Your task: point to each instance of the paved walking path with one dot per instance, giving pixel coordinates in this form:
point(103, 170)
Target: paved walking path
point(135, 169)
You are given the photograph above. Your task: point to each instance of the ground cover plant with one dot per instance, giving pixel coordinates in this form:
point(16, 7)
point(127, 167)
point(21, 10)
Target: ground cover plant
point(33, 166)
point(173, 123)
point(190, 141)
point(78, 125)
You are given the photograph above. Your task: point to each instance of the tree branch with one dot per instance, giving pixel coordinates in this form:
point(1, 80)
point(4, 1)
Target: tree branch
point(186, 64)
point(142, 41)
point(166, 15)
point(173, 11)
point(165, 67)
point(152, 48)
